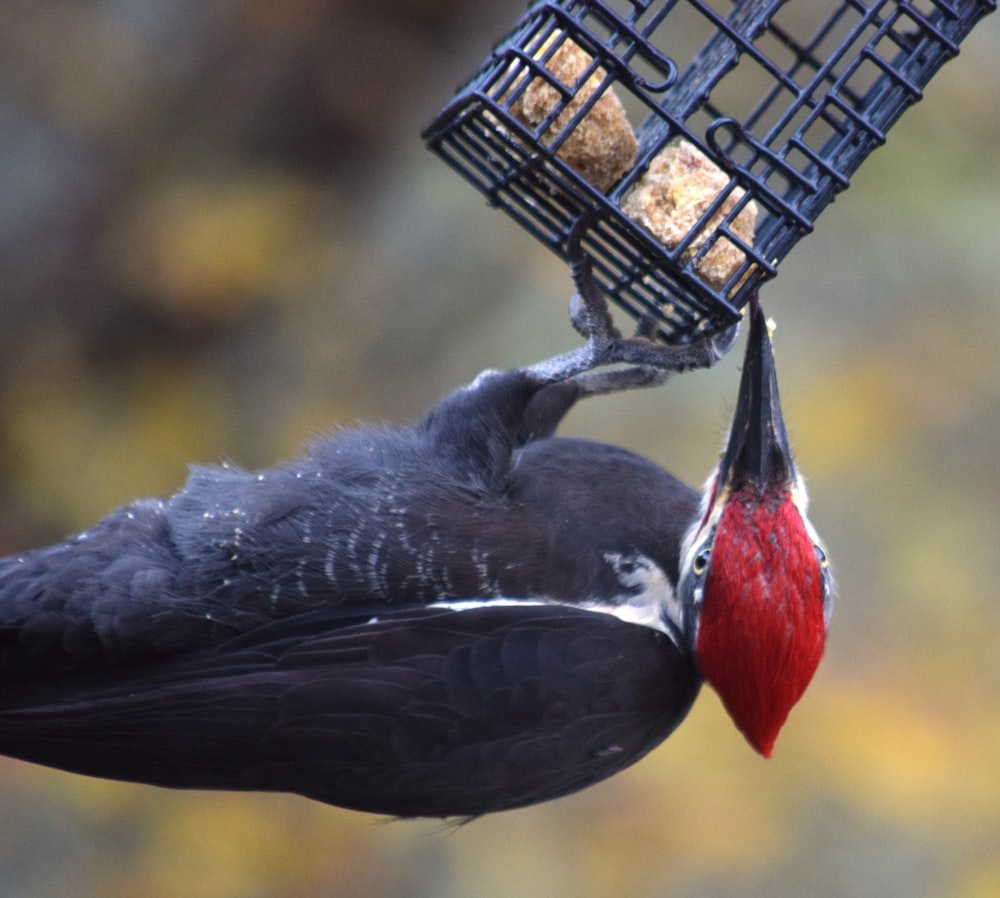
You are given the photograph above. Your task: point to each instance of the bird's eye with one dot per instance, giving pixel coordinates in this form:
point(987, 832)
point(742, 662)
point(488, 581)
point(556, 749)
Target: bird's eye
point(821, 556)
point(701, 561)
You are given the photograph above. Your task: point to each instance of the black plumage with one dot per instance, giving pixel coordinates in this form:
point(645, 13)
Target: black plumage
point(458, 617)
point(418, 712)
point(414, 621)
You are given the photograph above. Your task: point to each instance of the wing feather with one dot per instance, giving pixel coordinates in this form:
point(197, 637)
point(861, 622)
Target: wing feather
point(418, 712)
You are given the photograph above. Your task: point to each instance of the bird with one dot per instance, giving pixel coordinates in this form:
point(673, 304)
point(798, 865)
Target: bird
point(446, 619)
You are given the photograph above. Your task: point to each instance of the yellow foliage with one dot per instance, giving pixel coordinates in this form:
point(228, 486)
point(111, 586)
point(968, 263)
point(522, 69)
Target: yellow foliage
point(902, 757)
point(208, 245)
point(855, 402)
point(983, 881)
point(82, 450)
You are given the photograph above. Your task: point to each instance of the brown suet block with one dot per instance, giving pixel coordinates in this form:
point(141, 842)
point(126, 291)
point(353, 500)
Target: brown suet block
point(673, 195)
point(601, 148)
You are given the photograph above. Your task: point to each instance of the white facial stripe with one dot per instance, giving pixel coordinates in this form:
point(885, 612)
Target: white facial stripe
point(649, 597)
point(473, 604)
point(630, 613)
point(648, 600)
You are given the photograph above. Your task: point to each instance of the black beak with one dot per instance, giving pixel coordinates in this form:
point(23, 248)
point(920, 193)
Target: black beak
point(758, 455)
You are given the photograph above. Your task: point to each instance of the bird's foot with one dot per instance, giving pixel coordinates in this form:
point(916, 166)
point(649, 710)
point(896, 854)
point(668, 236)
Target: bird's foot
point(646, 361)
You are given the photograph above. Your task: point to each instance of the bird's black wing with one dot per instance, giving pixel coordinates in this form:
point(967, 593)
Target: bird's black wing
point(350, 522)
point(474, 501)
point(414, 712)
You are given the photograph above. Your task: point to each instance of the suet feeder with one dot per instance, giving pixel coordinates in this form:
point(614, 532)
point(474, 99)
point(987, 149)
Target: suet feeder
point(701, 139)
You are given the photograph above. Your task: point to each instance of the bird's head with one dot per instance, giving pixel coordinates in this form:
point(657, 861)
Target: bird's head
point(755, 583)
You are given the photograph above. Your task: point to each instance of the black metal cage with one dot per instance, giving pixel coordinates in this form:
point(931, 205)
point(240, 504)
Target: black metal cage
point(750, 118)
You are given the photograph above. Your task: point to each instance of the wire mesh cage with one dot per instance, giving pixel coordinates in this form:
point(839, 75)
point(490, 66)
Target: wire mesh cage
point(751, 118)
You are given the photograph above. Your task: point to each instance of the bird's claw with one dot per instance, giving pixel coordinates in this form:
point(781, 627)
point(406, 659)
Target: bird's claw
point(588, 308)
point(605, 345)
point(722, 341)
point(591, 318)
point(645, 327)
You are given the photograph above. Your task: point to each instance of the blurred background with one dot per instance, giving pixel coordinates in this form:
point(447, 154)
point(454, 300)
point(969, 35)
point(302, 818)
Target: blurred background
point(220, 236)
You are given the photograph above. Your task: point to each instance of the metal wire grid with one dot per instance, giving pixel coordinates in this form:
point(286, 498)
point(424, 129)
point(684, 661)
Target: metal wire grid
point(787, 99)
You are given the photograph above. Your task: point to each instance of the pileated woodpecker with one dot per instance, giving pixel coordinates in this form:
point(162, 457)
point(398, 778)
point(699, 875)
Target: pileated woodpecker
point(458, 617)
